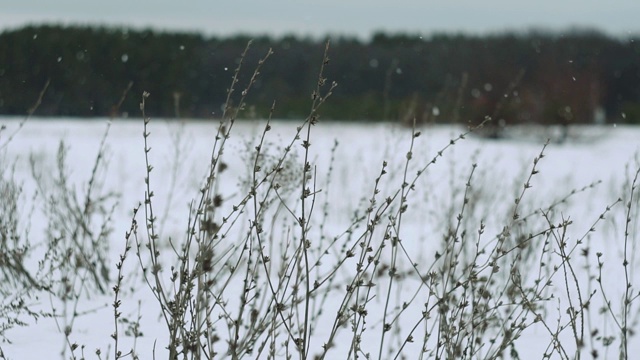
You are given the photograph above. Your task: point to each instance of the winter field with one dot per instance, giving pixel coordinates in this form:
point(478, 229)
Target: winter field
point(388, 245)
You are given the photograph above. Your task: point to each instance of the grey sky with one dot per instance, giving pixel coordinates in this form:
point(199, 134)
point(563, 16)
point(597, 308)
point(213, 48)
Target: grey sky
point(317, 18)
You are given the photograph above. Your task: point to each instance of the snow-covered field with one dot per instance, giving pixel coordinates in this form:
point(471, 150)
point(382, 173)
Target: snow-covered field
point(606, 157)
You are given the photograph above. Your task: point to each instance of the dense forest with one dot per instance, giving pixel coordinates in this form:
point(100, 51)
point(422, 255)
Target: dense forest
point(528, 77)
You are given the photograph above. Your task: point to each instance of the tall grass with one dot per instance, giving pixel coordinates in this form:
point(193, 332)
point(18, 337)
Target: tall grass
point(261, 271)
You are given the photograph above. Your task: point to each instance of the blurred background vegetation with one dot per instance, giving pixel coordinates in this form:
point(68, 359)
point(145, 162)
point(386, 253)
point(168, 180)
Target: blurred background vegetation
point(521, 78)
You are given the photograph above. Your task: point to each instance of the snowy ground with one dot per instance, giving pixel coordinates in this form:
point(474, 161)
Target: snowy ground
point(180, 154)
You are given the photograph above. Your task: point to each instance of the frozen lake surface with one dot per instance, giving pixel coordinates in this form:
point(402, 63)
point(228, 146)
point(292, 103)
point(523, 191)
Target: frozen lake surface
point(604, 159)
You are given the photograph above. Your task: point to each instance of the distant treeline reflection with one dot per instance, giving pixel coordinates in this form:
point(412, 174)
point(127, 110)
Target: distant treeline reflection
point(532, 77)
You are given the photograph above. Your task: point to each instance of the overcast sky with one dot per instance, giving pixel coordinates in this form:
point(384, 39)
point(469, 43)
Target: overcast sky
point(320, 17)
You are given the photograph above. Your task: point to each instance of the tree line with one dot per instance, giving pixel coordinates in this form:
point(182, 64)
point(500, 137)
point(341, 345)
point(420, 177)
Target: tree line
point(528, 77)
